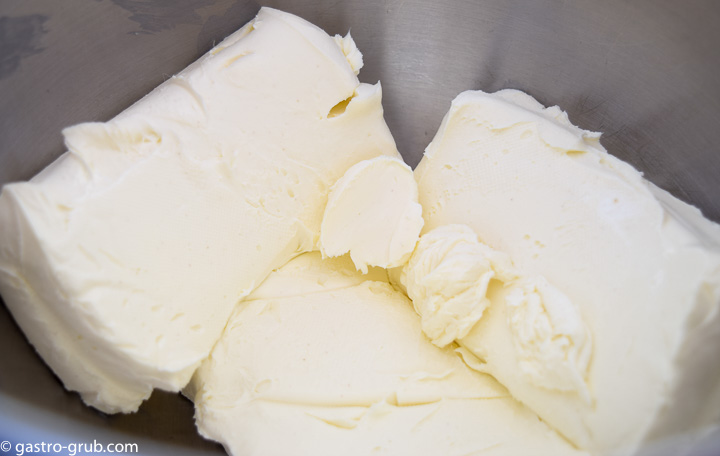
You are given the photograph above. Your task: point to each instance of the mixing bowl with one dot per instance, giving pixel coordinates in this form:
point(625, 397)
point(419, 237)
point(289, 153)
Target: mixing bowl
point(646, 73)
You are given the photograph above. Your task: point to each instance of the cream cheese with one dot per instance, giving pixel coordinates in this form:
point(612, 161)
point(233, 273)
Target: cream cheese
point(123, 260)
point(373, 213)
point(644, 280)
point(448, 279)
point(341, 367)
point(551, 342)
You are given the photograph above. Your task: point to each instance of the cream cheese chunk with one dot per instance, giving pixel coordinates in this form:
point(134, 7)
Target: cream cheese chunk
point(339, 365)
point(448, 279)
point(123, 260)
point(351, 51)
point(551, 342)
point(641, 268)
point(373, 213)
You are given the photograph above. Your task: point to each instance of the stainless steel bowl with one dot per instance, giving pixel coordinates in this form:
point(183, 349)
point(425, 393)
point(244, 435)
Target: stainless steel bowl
point(644, 72)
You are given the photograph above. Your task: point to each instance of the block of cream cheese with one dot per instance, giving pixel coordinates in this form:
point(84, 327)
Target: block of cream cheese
point(321, 360)
point(122, 260)
point(641, 268)
point(373, 213)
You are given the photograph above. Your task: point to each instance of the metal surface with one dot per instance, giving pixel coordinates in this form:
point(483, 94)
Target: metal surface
point(647, 73)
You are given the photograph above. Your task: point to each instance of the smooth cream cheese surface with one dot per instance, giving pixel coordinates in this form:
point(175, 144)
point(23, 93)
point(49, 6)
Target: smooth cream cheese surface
point(641, 268)
point(122, 260)
point(340, 366)
point(373, 213)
